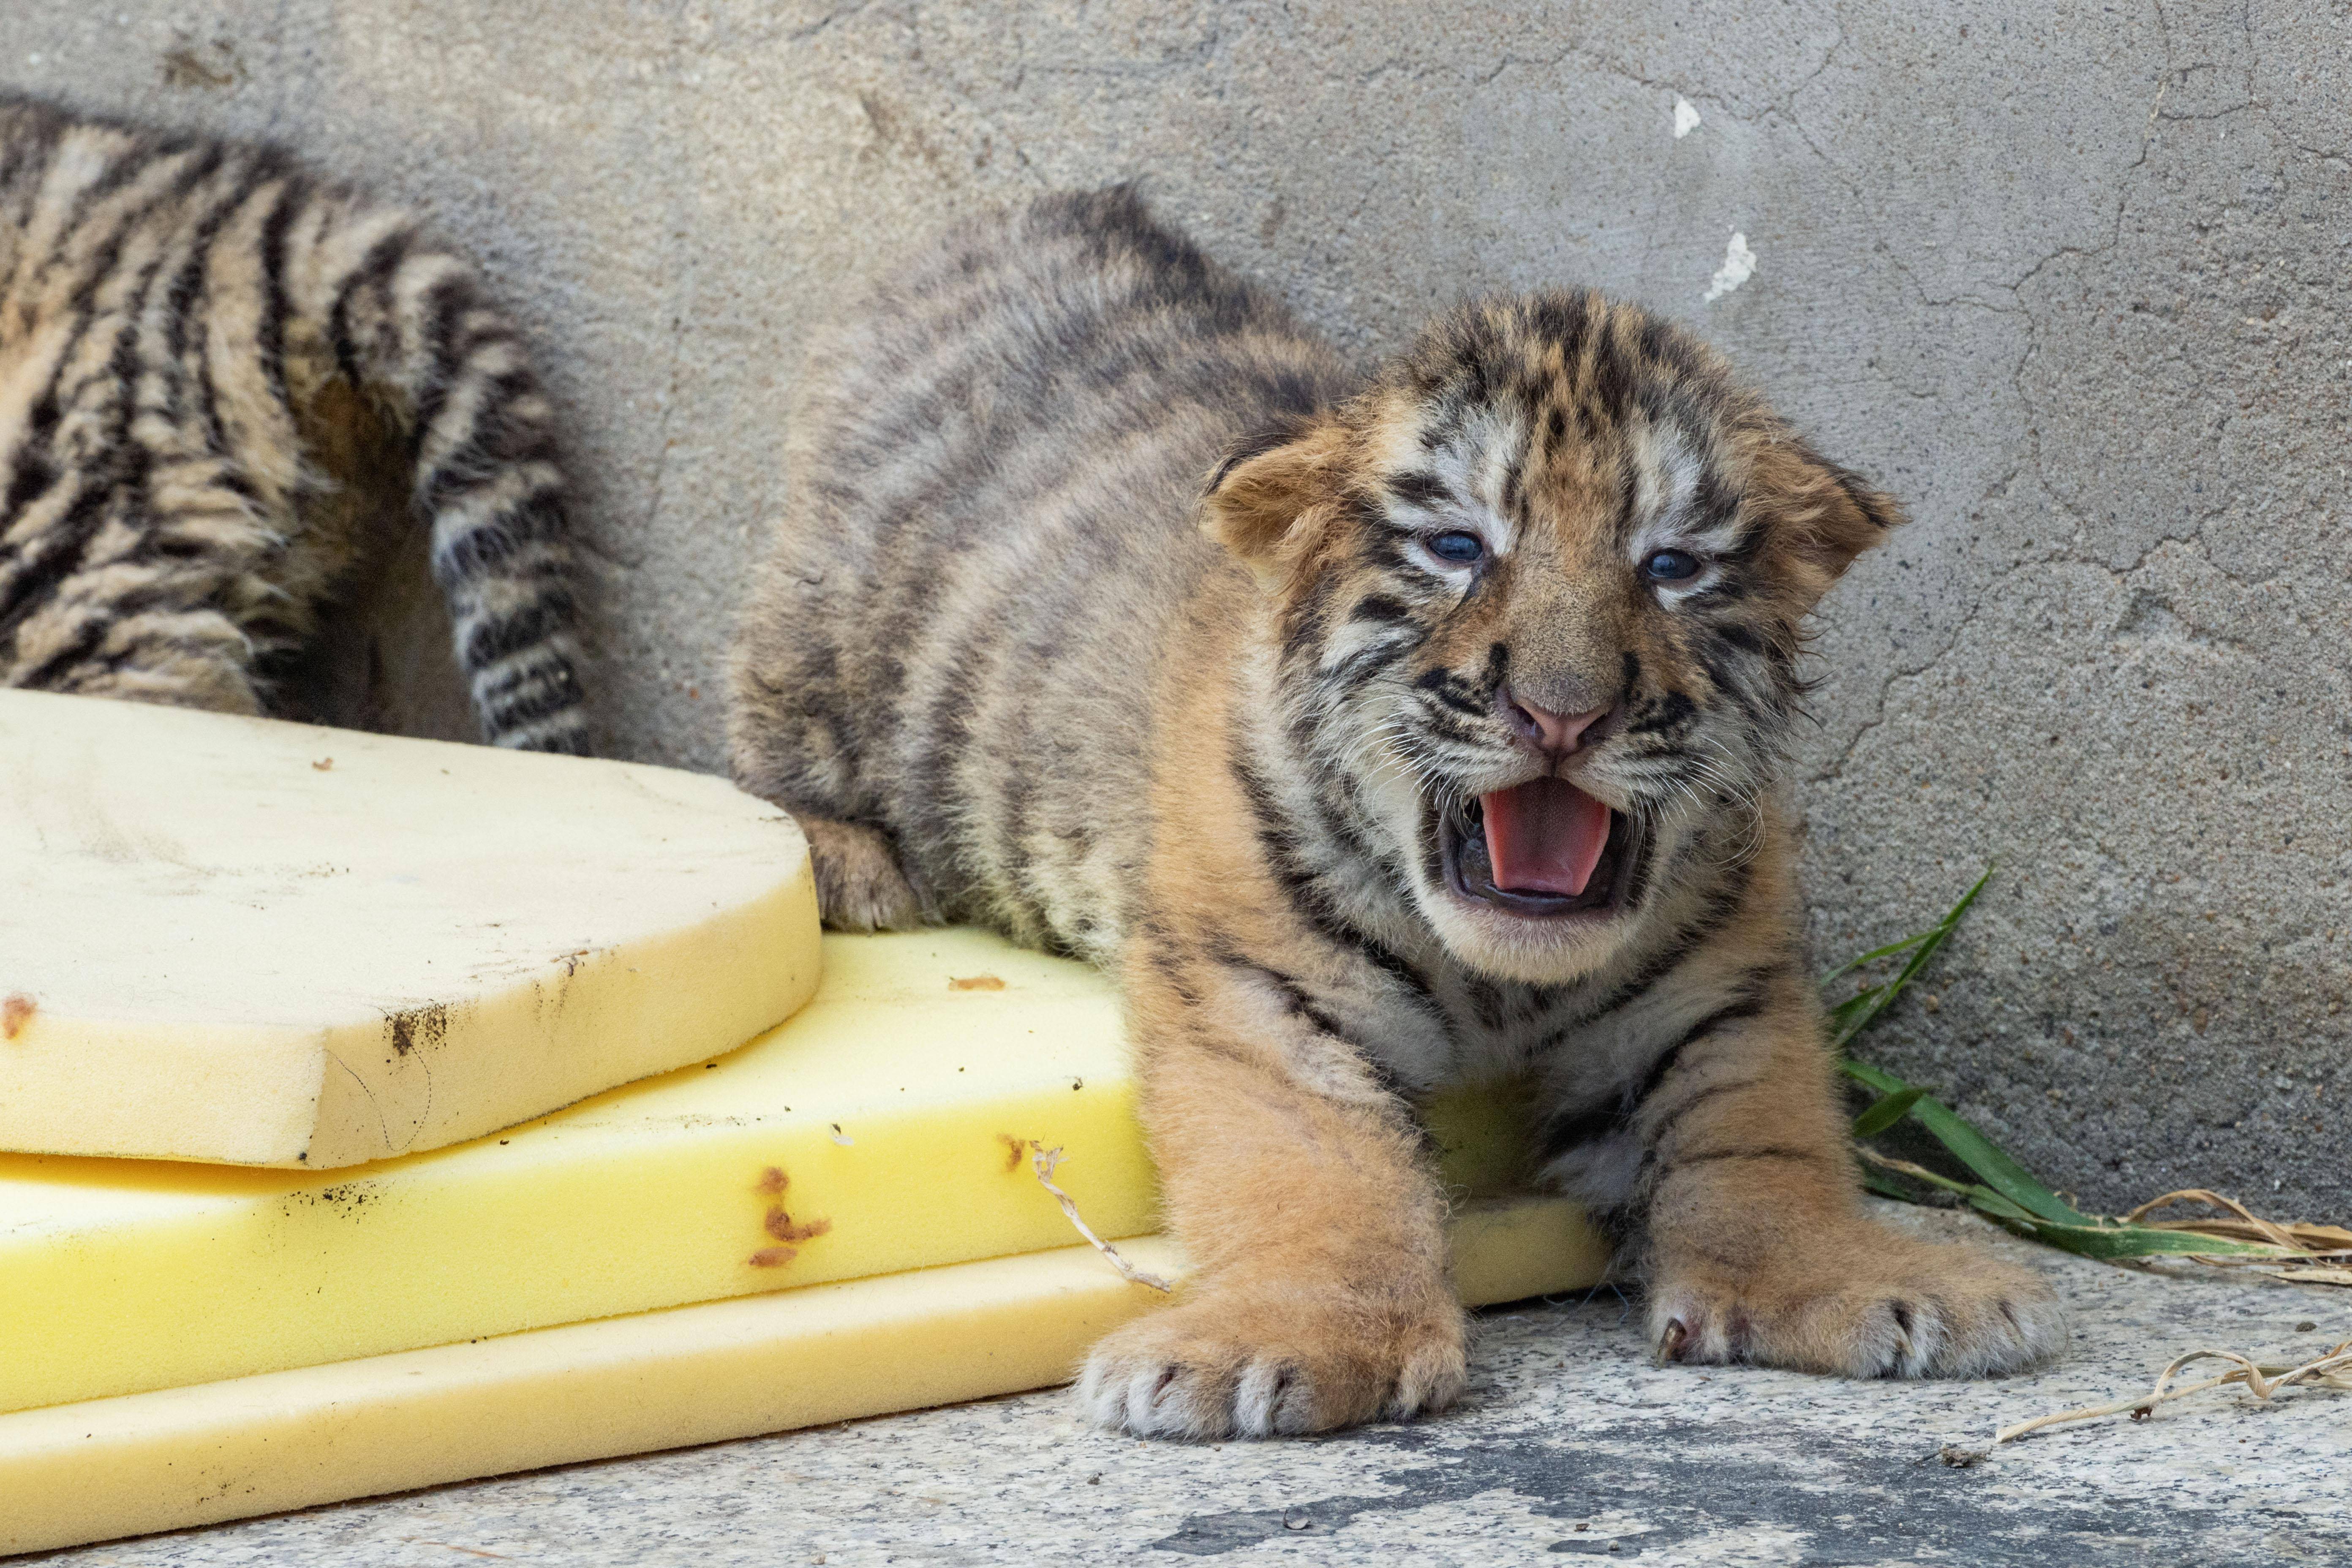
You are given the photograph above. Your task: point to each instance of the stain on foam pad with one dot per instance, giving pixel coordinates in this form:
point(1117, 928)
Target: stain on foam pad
point(263, 943)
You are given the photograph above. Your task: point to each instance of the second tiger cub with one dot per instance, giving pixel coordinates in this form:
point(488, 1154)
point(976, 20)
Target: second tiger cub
point(211, 359)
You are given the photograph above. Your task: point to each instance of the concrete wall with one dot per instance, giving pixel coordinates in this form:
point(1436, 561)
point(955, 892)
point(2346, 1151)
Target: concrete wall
point(2071, 277)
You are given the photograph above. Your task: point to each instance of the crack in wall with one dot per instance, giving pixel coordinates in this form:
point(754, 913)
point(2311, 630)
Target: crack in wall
point(824, 24)
point(2120, 579)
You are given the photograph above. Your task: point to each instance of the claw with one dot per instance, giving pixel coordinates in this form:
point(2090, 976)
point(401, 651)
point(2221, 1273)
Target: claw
point(1901, 1314)
point(1671, 1342)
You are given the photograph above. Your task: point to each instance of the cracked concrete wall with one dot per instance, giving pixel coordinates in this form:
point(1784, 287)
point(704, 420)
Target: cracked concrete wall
point(2071, 277)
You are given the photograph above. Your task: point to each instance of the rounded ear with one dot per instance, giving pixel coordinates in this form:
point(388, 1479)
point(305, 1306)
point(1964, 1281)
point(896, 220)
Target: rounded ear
point(1267, 483)
point(1822, 515)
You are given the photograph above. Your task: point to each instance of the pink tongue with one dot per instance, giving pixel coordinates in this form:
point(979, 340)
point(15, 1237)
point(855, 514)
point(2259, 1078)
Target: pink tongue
point(1545, 836)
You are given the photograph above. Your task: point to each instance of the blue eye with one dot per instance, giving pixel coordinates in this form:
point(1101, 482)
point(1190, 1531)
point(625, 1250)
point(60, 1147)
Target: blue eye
point(1458, 546)
point(1670, 565)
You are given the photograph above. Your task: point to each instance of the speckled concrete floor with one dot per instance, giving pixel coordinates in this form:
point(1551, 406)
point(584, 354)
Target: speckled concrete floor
point(1569, 1443)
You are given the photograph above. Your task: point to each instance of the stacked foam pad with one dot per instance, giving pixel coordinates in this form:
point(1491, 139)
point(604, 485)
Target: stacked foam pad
point(839, 1219)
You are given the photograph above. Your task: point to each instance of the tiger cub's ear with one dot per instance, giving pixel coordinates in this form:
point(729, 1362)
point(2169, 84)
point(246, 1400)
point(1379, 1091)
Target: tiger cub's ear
point(1822, 515)
point(1261, 501)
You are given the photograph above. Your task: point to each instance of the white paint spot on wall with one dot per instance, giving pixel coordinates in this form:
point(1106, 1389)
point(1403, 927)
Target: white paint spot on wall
point(1685, 117)
point(1739, 266)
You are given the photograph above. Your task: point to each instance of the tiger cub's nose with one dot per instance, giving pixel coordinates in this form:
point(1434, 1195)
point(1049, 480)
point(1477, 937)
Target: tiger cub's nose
point(1558, 733)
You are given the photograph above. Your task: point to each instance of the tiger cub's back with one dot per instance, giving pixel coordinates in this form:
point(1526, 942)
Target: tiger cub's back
point(995, 463)
point(208, 358)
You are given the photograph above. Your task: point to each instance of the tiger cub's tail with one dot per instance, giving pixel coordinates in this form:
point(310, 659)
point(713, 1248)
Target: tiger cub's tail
point(408, 324)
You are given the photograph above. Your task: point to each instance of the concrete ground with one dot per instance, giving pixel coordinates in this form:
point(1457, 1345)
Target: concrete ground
point(1569, 1443)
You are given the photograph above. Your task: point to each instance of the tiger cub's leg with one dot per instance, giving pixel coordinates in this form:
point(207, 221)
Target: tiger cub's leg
point(859, 883)
point(1758, 1249)
point(183, 657)
point(1321, 1295)
point(146, 608)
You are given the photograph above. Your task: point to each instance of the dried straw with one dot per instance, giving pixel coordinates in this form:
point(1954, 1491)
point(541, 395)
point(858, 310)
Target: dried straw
point(2295, 1251)
point(1044, 1162)
point(2326, 1240)
point(2332, 1370)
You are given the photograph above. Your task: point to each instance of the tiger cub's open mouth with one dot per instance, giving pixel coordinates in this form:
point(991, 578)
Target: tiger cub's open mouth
point(1543, 850)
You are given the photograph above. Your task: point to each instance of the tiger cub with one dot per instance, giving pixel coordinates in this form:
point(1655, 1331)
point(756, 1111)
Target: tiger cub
point(1440, 738)
point(206, 354)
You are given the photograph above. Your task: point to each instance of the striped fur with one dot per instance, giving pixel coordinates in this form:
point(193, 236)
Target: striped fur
point(1010, 662)
point(211, 362)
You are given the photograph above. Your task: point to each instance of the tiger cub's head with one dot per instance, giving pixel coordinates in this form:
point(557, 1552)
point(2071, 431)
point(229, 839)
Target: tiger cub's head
point(1539, 592)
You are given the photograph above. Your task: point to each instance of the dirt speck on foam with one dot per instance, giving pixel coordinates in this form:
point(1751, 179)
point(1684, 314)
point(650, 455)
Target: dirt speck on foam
point(413, 1026)
point(780, 1225)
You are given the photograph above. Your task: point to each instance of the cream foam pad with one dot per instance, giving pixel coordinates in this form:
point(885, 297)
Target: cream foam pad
point(236, 940)
point(184, 1456)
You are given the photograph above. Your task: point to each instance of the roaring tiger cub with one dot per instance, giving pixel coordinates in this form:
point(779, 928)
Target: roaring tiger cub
point(207, 358)
point(1439, 739)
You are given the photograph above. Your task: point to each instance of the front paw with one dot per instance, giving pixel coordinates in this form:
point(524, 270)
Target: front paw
point(859, 884)
point(1235, 1363)
point(1868, 1302)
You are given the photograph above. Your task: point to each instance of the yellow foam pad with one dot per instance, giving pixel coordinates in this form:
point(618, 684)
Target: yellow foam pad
point(231, 939)
point(694, 1375)
point(872, 1132)
point(884, 1128)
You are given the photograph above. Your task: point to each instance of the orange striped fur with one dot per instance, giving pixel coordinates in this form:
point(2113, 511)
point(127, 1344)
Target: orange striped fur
point(1010, 661)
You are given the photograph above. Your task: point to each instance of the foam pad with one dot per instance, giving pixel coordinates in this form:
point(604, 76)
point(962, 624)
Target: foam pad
point(885, 1127)
point(874, 1133)
point(695, 1374)
point(237, 939)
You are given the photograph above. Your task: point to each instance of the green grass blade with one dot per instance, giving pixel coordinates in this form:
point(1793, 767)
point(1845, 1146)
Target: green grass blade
point(2002, 1209)
point(1846, 1020)
point(1876, 953)
point(1887, 1186)
point(1952, 916)
point(2005, 1192)
point(2110, 1241)
point(1887, 1112)
point(1979, 1153)
point(1869, 1076)
point(1845, 1013)
point(1992, 1164)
